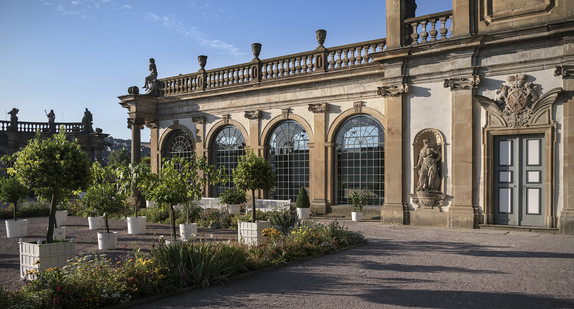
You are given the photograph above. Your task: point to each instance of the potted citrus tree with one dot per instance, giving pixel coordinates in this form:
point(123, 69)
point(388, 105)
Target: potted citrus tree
point(105, 198)
point(253, 173)
point(131, 179)
point(233, 199)
point(302, 203)
point(358, 200)
point(12, 192)
point(53, 168)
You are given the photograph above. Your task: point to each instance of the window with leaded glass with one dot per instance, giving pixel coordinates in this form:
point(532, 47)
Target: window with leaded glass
point(228, 147)
point(178, 145)
point(289, 155)
point(360, 161)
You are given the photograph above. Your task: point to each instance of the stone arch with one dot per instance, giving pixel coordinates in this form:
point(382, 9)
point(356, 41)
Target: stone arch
point(167, 133)
point(212, 134)
point(270, 126)
point(342, 117)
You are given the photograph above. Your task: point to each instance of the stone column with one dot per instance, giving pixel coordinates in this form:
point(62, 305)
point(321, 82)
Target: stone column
point(397, 12)
point(136, 125)
point(154, 156)
point(566, 223)
point(395, 189)
point(461, 214)
point(318, 155)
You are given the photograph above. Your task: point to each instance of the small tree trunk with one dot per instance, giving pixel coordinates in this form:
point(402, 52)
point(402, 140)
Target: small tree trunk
point(51, 219)
point(172, 214)
point(253, 198)
point(107, 226)
point(187, 213)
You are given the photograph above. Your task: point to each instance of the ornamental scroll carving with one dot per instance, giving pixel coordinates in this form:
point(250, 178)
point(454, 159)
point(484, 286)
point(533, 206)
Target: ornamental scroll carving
point(255, 114)
point(462, 83)
point(428, 149)
point(393, 91)
point(318, 107)
point(518, 104)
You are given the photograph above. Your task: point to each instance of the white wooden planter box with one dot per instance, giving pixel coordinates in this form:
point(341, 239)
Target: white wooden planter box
point(250, 233)
point(18, 228)
point(61, 217)
point(49, 255)
point(59, 233)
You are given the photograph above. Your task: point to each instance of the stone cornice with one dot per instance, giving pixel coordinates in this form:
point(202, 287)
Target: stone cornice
point(462, 83)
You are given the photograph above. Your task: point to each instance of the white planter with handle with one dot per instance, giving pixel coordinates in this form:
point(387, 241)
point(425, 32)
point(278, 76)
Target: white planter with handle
point(136, 225)
point(187, 231)
point(303, 213)
point(107, 240)
point(96, 223)
point(61, 217)
point(356, 216)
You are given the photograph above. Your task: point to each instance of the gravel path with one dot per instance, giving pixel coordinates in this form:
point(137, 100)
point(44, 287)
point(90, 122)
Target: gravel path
point(87, 242)
point(410, 267)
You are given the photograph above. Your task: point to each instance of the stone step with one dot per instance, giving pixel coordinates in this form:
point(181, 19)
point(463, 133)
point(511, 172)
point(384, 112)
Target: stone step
point(519, 228)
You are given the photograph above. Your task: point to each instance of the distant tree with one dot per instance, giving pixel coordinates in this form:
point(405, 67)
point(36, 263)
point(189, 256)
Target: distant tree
point(12, 191)
point(253, 173)
point(53, 168)
point(121, 157)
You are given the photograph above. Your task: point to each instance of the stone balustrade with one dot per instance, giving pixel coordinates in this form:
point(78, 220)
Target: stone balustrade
point(32, 127)
point(422, 33)
point(311, 62)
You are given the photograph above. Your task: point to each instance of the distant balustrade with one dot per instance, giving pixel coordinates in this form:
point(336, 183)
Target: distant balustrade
point(430, 28)
point(311, 62)
point(33, 127)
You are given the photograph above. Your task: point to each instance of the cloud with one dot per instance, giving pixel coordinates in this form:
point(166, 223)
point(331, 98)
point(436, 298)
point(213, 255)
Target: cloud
point(173, 24)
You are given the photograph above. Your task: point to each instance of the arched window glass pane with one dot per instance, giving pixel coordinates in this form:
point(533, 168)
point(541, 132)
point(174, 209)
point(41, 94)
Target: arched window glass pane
point(360, 159)
point(289, 156)
point(178, 145)
point(228, 147)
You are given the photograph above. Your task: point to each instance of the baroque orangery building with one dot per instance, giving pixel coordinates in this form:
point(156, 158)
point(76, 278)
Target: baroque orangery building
point(458, 119)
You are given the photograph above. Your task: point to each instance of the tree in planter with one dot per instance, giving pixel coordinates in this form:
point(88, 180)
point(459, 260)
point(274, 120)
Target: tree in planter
point(302, 199)
point(131, 179)
point(180, 181)
point(12, 192)
point(233, 196)
point(253, 173)
point(104, 195)
point(358, 200)
point(53, 168)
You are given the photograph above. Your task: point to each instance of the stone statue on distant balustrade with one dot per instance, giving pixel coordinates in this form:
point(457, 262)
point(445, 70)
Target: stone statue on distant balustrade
point(13, 119)
point(87, 121)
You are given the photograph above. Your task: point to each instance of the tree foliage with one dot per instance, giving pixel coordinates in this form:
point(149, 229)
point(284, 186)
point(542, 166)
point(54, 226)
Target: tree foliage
point(120, 157)
point(53, 168)
point(253, 173)
point(104, 196)
point(132, 181)
point(12, 191)
point(302, 199)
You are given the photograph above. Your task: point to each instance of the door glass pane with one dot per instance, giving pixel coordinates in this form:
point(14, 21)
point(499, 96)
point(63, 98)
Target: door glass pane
point(505, 153)
point(533, 151)
point(505, 200)
point(533, 176)
point(533, 201)
point(505, 176)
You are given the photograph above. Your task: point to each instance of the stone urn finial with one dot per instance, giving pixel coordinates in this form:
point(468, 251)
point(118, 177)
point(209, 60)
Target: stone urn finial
point(256, 48)
point(321, 36)
point(202, 61)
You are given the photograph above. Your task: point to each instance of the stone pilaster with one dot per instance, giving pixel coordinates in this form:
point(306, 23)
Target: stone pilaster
point(566, 222)
point(154, 136)
point(461, 213)
point(318, 155)
point(136, 124)
point(199, 134)
point(254, 141)
point(392, 210)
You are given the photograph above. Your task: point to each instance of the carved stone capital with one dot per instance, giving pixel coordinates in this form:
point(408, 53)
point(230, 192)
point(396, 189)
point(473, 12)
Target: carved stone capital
point(226, 118)
point(393, 91)
point(358, 105)
point(318, 107)
point(285, 112)
point(462, 83)
point(151, 124)
point(566, 71)
point(136, 123)
point(198, 120)
point(254, 114)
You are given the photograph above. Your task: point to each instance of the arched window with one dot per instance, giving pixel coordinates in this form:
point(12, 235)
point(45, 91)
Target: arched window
point(289, 156)
point(228, 147)
point(178, 145)
point(360, 159)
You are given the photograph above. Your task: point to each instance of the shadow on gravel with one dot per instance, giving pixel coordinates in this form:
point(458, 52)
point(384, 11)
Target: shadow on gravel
point(462, 299)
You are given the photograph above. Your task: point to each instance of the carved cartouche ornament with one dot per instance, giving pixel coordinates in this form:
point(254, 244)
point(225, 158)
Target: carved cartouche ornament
point(392, 91)
point(518, 103)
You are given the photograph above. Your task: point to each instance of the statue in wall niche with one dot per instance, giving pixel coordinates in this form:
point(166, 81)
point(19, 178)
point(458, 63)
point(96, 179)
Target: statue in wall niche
point(428, 168)
point(13, 119)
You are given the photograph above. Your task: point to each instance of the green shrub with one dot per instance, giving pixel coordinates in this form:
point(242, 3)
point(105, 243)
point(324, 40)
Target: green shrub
point(302, 199)
point(233, 196)
point(156, 214)
point(27, 209)
point(283, 221)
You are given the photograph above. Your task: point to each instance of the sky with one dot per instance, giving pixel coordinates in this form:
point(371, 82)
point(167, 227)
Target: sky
point(71, 55)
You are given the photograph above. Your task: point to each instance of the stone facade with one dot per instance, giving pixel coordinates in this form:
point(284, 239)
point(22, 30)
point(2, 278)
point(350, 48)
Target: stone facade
point(448, 73)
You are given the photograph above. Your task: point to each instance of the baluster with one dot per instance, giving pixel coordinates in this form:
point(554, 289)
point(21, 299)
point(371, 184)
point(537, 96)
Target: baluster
point(331, 61)
point(424, 33)
point(306, 64)
point(433, 32)
point(338, 61)
point(346, 59)
point(443, 30)
point(360, 56)
point(353, 58)
point(415, 34)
